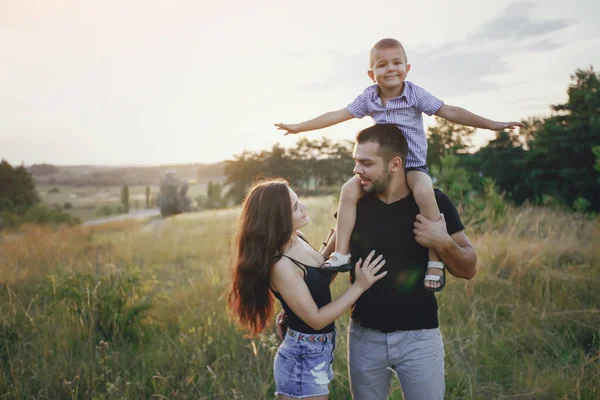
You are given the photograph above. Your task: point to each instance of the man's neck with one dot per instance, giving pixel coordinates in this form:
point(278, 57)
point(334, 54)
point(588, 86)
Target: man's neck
point(394, 192)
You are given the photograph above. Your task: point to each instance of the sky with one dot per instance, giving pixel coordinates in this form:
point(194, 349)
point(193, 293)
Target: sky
point(147, 82)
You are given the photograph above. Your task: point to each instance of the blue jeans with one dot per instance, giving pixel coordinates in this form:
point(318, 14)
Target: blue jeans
point(302, 364)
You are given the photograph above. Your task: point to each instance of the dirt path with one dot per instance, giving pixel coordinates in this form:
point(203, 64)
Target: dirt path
point(141, 214)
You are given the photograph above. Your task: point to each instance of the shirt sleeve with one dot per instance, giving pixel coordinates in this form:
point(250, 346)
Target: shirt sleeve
point(425, 101)
point(453, 222)
point(358, 108)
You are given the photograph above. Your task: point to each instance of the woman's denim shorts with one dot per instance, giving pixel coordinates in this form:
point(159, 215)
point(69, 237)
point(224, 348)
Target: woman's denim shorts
point(303, 364)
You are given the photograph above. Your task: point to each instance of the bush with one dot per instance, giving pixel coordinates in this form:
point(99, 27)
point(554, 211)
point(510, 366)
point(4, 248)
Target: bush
point(54, 190)
point(581, 205)
point(114, 309)
point(9, 220)
point(43, 215)
point(68, 205)
point(488, 210)
point(452, 179)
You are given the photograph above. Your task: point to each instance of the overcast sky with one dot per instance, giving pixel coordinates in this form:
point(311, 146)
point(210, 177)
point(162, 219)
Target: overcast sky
point(135, 82)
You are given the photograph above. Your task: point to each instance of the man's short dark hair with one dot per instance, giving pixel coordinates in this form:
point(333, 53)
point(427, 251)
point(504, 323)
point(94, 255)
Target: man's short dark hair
point(390, 139)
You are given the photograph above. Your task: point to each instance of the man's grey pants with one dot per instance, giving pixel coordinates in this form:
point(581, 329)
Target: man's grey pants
point(416, 356)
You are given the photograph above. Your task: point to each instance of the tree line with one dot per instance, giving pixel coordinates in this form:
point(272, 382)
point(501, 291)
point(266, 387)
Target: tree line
point(312, 166)
point(554, 160)
point(19, 200)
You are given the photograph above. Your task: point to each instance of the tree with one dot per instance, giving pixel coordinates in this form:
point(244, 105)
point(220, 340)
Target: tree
point(561, 158)
point(125, 198)
point(147, 196)
point(502, 160)
point(446, 137)
point(452, 179)
point(596, 151)
point(242, 171)
point(17, 189)
point(311, 164)
point(173, 198)
point(213, 198)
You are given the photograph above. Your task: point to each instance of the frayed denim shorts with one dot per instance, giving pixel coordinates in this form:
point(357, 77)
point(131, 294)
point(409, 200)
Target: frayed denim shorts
point(302, 364)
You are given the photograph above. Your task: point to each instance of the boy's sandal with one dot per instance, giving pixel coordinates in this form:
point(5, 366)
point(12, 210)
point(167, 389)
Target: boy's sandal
point(435, 278)
point(338, 263)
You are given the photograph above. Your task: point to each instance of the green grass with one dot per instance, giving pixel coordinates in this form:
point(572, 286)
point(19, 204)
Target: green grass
point(527, 326)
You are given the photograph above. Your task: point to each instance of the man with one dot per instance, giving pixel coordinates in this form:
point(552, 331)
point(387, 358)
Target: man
point(394, 324)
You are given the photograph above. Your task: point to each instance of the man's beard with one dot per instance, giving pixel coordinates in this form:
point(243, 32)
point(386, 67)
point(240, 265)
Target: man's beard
point(381, 185)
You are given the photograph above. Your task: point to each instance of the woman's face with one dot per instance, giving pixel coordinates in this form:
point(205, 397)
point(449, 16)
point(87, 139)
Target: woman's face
point(299, 217)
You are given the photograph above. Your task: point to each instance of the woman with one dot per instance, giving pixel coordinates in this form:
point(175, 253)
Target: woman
point(274, 259)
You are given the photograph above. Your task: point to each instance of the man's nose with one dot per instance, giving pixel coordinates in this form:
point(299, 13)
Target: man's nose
point(357, 169)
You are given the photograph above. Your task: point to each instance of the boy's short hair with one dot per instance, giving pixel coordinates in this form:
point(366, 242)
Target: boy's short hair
point(390, 139)
point(384, 44)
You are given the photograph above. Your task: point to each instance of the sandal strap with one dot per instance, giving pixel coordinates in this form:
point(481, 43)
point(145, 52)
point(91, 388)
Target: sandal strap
point(338, 258)
point(434, 278)
point(435, 264)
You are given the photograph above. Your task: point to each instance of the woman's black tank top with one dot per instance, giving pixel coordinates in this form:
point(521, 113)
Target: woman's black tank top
point(317, 281)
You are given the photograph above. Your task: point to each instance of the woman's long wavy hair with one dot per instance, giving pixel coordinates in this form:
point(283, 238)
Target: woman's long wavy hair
point(264, 230)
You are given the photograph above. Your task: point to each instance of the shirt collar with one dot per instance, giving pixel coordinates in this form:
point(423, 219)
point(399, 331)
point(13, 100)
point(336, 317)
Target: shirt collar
point(406, 93)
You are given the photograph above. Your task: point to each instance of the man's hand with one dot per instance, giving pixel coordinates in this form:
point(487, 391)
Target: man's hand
point(431, 234)
point(500, 126)
point(289, 128)
point(281, 323)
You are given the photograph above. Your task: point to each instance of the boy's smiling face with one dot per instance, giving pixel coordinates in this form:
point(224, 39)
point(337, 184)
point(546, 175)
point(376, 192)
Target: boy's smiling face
point(389, 69)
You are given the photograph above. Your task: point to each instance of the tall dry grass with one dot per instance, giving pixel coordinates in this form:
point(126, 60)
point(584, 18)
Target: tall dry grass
point(139, 311)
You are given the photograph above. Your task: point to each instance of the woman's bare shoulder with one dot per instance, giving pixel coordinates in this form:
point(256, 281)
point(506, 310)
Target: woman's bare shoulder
point(285, 270)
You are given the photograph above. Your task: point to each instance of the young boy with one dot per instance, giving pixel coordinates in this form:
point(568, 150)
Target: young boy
point(393, 100)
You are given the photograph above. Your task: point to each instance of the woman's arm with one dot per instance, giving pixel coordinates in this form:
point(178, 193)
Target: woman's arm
point(286, 279)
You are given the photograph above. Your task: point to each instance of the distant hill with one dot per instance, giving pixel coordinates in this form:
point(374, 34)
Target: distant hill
point(89, 175)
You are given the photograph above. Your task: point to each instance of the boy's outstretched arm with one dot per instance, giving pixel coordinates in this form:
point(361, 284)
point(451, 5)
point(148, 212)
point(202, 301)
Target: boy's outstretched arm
point(322, 121)
point(461, 116)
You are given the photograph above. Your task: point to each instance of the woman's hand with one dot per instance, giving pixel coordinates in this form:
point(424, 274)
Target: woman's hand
point(366, 273)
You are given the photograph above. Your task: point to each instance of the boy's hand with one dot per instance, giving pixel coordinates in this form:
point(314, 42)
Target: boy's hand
point(291, 128)
point(500, 126)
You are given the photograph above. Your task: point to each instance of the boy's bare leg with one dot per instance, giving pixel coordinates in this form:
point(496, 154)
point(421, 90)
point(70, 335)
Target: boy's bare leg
point(351, 192)
point(422, 187)
point(346, 218)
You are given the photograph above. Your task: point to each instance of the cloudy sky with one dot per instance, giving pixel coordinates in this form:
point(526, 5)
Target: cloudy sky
point(149, 82)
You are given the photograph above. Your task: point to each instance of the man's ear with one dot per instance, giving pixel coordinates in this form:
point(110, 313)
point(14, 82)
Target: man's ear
point(371, 75)
point(407, 68)
point(397, 164)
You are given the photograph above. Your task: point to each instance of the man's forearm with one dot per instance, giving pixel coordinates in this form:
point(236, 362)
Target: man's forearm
point(460, 261)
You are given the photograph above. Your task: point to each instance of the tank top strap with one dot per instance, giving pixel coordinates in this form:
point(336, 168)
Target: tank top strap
point(299, 264)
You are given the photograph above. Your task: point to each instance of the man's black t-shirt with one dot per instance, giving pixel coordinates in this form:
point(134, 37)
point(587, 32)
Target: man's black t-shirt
point(399, 301)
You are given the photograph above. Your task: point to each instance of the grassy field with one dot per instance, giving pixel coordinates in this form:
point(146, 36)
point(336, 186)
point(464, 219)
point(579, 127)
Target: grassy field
point(86, 200)
point(138, 311)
